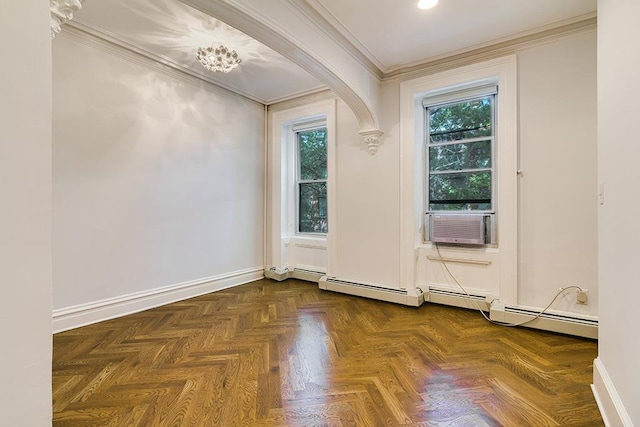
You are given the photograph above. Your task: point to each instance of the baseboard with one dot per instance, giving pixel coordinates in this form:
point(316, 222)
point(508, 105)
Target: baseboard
point(611, 407)
point(414, 298)
point(98, 311)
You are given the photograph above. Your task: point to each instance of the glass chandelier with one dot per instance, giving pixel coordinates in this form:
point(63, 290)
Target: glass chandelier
point(218, 59)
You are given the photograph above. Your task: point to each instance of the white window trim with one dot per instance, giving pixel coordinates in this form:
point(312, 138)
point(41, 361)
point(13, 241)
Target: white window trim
point(503, 72)
point(281, 195)
point(295, 129)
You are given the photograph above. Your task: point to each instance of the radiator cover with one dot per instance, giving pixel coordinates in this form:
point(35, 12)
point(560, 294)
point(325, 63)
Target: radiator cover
point(414, 298)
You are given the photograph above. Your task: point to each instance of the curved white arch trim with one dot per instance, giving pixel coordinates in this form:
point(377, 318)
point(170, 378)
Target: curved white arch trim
point(284, 28)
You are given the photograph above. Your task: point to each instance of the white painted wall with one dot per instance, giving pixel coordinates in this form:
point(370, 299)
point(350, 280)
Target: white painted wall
point(367, 207)
point(557, 222)
point(158, 178)
point(363, 205)
point(25, 214)
point(556, 195)
point(558, 189)
point(618, 227)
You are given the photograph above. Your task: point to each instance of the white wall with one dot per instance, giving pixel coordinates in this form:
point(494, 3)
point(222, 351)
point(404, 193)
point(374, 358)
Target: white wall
point(25, 216)
point(158, 178)
point(617, 373)
point(558, 189)
point(363, 205)
point(367, 207)
point(557, 240)
point(556, 193)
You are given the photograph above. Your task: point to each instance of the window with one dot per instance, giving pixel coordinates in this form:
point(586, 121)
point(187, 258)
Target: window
point(460, 145)
point(311, 179)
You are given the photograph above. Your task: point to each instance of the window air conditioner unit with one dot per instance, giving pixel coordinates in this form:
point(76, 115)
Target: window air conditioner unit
point(466, 229)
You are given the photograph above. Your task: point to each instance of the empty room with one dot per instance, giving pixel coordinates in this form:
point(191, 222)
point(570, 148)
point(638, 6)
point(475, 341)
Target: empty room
point(319, 212)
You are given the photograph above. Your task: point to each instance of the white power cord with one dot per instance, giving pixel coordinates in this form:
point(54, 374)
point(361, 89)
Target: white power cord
point(560, 292)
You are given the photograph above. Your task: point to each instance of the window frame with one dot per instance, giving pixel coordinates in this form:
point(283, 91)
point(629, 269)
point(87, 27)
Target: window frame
point(453, 98)
point(416, 267)
point(297, 129)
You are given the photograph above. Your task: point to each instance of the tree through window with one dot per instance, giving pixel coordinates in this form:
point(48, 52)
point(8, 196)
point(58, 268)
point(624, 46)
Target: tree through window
point(312, 180)
point(460, 146)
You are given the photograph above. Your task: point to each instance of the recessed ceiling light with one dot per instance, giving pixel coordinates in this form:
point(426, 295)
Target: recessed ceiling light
point(427, 4)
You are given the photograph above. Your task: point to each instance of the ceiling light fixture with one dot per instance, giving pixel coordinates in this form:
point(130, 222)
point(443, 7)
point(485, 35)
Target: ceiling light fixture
point(427, 4)
point(218, 59)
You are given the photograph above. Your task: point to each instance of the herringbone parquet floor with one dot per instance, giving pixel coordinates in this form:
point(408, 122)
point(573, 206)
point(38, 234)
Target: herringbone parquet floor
point(289, 354)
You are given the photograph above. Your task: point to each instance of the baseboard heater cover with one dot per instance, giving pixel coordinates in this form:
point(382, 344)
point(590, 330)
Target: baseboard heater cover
point(278, 274)
point(554, 316)
point(281, 274)
point(395, 295)
point(561, 323)
point(306, 275)
point(472, 300)
point(554, 322)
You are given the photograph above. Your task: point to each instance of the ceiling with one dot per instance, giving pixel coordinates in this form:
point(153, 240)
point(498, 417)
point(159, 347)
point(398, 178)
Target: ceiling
point(172, 32)
point(392, 34)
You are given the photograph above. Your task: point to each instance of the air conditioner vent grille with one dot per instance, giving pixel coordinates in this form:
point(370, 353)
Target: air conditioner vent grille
point(461, 229)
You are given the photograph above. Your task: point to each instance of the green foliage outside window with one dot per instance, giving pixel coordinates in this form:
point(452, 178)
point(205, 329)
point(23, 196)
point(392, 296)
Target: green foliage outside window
point(460, 162)
point(312, 181)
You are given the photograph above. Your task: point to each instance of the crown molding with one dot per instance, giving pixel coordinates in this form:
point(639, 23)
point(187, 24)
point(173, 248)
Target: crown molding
point(107, 43)
point(61, 12)
point(299, 95)
point(496, 48)
point(247, 17)
point(333, 28)
point(110, 42)
point(301, 101)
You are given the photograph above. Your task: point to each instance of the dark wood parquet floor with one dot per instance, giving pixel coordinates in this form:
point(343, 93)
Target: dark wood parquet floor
point(289, 354)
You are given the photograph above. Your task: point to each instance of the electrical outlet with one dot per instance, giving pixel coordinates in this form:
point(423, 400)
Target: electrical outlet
point(583, 296)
